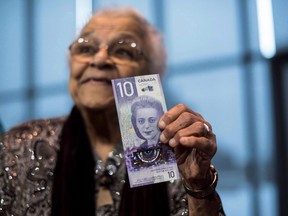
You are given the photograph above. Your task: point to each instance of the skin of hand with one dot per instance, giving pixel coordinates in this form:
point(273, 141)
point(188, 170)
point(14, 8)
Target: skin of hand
point(194, 146)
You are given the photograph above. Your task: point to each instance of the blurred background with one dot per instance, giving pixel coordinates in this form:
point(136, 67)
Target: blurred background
point(227, 59)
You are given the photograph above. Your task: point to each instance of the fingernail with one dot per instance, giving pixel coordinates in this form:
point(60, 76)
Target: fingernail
point(172, 142)
point(162, 124)
point(163, 139)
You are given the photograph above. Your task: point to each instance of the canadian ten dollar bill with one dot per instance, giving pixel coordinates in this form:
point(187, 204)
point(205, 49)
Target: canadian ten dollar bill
point(140, 103)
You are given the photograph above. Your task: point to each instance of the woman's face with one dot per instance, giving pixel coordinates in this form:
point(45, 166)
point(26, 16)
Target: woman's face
point(98, 56)
point(147, 123)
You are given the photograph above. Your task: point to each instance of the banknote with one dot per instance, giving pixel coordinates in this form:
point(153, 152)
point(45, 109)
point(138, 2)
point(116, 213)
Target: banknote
point(140, 103)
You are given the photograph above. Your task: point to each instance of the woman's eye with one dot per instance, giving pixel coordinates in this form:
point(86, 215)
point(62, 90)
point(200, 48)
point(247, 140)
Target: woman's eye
point(152, 120)
point(86, 50)
point(123, 53)
point(141, 121)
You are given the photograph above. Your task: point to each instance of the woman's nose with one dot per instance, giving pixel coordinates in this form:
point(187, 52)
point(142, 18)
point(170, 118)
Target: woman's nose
point(101, 58)
point(146, 124)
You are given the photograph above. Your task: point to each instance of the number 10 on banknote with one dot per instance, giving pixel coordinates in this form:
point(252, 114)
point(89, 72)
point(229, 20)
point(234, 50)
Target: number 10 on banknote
point(140, 103)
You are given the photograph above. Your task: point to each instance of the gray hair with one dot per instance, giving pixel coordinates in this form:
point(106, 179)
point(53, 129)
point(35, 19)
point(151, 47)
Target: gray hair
point(153, 40)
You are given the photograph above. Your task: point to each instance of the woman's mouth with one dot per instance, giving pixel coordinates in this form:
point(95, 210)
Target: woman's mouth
point(94, 80)
point(147, 132)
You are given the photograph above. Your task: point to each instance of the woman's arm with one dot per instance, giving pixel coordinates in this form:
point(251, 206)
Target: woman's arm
point(195, 145)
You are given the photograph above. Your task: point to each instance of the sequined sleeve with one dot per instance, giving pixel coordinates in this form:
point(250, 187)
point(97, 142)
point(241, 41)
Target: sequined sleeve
point(27, 157)
point(178, 200)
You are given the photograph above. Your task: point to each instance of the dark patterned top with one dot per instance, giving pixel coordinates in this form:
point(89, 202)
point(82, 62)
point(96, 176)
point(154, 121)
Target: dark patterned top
point(27, 160)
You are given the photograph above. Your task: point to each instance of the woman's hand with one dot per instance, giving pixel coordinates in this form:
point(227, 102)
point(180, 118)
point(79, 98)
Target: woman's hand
point(193, 141)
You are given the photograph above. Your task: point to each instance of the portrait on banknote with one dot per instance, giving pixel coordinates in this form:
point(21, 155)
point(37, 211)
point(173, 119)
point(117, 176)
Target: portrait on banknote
point(145, 114)
point(140, 104)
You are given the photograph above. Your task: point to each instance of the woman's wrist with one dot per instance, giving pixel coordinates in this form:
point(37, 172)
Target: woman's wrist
point(202, 192)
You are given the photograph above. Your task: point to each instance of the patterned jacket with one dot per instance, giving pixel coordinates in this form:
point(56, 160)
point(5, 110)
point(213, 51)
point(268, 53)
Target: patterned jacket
point(28, 154)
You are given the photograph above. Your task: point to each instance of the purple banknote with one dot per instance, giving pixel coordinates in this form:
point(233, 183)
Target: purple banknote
point(140, 103)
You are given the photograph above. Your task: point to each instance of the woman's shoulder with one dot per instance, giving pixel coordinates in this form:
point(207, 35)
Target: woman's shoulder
point(29, 129)
point(38, 124)
point(48, 129)
point(28, 154)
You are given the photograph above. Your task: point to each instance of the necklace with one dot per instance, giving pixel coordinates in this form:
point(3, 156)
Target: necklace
point(105, 172)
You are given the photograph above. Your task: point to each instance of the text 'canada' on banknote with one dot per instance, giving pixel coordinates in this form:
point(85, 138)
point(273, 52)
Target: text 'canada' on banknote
point(140, 104)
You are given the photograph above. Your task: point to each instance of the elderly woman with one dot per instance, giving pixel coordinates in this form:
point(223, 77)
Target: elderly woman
point(62, 166)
